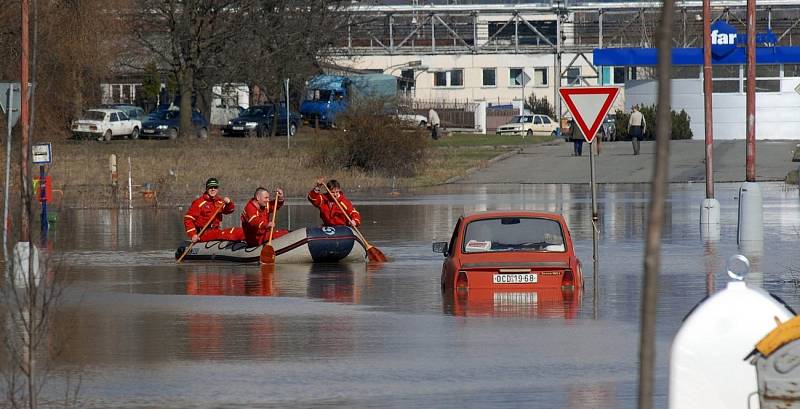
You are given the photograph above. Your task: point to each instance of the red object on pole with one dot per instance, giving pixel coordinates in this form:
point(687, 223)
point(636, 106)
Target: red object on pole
point(751, 91)
point(707, 99)
point(24, 120)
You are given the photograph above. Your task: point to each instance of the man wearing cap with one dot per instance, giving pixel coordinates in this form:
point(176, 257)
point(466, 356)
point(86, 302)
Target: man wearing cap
point(202, 210)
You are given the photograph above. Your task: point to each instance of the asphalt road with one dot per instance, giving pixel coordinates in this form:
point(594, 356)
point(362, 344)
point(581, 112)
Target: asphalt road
point(554, 163)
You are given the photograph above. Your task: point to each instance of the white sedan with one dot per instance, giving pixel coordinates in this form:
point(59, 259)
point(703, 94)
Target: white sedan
point(104, 124)
point(529, 125)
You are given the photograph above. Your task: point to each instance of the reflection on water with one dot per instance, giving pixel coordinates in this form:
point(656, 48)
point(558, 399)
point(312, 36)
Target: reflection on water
point(151, 333)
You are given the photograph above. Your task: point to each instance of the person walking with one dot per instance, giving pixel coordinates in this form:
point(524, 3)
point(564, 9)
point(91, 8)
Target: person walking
point(433, 122)
point(577, 138)
point(636, 128)
point(203, 209)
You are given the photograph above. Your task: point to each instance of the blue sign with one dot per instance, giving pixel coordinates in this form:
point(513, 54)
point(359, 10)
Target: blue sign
point(723, 39)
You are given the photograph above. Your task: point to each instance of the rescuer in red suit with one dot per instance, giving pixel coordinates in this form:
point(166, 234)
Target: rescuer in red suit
point(200, 212)
point(257, 217)
point(329, 211)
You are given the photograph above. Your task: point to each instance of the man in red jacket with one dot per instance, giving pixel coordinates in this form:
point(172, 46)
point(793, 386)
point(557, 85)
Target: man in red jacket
point(257, 217)
point(329, 211)
point(200, 213)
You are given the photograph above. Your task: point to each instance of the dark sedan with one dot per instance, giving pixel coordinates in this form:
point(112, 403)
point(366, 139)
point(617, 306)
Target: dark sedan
point(257, 120)
point(166, 124)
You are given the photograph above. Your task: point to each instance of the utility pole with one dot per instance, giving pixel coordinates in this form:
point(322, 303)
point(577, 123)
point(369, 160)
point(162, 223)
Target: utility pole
point(24, 118)
point(751, 91)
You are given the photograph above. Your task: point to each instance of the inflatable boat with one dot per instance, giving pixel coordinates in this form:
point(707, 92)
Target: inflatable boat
point(308, 245)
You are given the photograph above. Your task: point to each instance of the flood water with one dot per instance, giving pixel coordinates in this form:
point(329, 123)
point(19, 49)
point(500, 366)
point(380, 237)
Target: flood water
point(145, 332)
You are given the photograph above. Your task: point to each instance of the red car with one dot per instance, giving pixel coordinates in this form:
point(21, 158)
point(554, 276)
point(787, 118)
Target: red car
point(510, 250)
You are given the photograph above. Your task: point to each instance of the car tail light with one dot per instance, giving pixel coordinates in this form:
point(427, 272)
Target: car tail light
point(568, 280)
point(93, 128)
point(462, 283)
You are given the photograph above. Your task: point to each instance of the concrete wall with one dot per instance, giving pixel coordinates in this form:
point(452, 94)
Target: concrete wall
point(777, 113)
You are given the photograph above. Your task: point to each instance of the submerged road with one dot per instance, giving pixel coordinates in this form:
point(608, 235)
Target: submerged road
point(554, 163)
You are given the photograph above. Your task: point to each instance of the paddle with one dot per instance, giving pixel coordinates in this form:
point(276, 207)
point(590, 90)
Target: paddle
point(267, 252)
point(373, 252)
point(185, 252)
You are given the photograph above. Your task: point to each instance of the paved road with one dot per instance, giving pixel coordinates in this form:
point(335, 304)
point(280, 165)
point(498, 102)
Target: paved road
point(554, 163)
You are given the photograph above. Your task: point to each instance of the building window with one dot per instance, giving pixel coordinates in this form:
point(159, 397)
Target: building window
point(791, 70)
point(407, 82)
point(686, 72)
point(574, 76)
point(440, 79)
point(452, 78)
point(725, 86)
point(456, 78)
point(725, 71)
point(489, 77)
point(515, 77)
point(540, 77)
point(764, 85)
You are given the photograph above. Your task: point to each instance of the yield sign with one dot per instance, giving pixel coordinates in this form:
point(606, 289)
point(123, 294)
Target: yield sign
point(589, 105)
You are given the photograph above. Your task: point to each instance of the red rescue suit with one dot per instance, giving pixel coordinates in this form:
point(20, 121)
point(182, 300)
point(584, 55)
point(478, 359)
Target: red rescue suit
point(255, 222)
point(200, 212)
point(330, 212)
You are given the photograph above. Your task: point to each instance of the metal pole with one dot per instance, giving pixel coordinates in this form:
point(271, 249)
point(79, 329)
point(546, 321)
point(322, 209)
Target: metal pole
point(652, 253)
point(751, 91)
point(288, 120)
point(43, 196)
point(24, 234)
point(557, 75)
point(8, 173)
point(595, 218)
point(707, 99)
point(130, 184)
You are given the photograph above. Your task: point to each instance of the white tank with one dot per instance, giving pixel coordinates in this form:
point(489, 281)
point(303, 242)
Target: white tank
point(707, 366)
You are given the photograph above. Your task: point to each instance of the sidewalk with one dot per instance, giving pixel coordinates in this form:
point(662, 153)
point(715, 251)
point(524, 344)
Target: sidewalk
point(554, 163)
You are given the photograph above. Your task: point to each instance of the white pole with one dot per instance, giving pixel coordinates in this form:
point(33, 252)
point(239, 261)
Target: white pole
point(130, 184)
point(288, 122)
point(8, 172)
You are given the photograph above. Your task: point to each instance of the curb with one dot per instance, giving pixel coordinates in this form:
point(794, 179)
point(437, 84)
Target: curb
point(474, 169)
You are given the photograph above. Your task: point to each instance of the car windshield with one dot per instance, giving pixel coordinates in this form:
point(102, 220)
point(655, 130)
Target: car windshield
point(521, 119)
point(94, 115)
point(513, 234)
point(256, 111)
point(320, 95)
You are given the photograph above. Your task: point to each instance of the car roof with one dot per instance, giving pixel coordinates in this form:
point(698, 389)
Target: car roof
point(104, 110)
point(494, 214)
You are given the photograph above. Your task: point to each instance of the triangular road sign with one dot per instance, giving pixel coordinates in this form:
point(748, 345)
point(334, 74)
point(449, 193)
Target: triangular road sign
point(589, 106)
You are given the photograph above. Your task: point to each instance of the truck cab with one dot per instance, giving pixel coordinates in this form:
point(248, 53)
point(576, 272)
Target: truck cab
point(326, 96)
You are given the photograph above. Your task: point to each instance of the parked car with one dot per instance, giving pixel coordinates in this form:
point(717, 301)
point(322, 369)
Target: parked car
point(166, 124)
point(408, 116)
point(133, 111)
point(257, 120)
point(104, 124)
point(529, 125)
point(519, 250)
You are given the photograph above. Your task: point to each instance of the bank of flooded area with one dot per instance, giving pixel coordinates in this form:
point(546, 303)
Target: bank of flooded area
point(147, 332)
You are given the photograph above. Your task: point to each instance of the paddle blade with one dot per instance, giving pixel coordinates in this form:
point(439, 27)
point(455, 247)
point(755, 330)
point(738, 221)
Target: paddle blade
point(376, 255)
point(267, 255)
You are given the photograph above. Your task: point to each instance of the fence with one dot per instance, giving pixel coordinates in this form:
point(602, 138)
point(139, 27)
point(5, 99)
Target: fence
point(452, 114)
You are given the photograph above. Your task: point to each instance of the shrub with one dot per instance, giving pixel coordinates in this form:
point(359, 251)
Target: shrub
point(681, 124)
point(540, 106)
point(371, 141)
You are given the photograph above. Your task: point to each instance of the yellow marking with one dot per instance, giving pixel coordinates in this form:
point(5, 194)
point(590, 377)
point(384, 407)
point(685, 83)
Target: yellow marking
point(192, 229)
point(251, 219)
point(189, 217)
point(201, 203)
point(259, 225)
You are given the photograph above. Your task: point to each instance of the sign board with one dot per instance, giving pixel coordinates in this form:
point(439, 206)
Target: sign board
point(589, 106)
point(15, 102)
point(522, 79)
point(797, 89)
point(42, 153)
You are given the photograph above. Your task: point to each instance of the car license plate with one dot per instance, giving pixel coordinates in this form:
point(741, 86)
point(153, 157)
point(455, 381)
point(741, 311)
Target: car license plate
point(238, 128)
point(148, 130)
point(515, 278)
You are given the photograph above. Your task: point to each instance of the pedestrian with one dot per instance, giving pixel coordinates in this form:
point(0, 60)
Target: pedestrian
point(433, 122)
point(577, 138)
point(636, 128)
point(330, 213)
point(201, 211)
point(257, 217)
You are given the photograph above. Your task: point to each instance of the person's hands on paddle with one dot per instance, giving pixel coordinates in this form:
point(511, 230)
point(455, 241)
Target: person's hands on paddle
point(320, 182)
point(353, 223)
point(226, 199)
point(195, 238)
point(279, 193)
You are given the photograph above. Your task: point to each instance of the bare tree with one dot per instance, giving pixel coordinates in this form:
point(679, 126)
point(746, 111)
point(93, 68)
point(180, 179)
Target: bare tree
point(189, 36)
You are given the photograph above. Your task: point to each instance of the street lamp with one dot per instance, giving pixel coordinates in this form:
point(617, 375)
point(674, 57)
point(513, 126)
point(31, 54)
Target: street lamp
point(407, 64)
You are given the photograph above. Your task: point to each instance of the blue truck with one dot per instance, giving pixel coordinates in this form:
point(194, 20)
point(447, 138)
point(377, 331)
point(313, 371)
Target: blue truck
point(328, 95)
